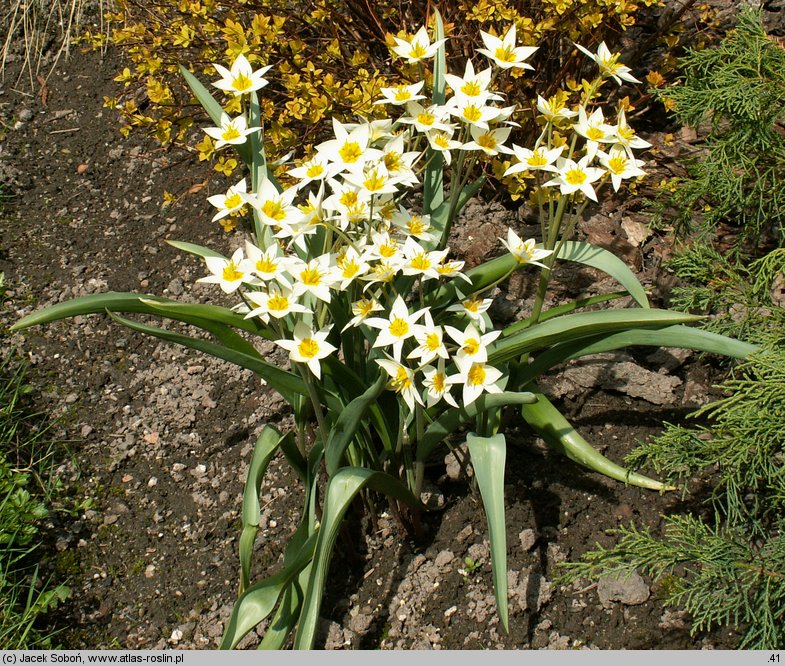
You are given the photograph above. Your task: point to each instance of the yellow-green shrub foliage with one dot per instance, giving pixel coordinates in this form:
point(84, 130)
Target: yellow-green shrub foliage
point(329, 55)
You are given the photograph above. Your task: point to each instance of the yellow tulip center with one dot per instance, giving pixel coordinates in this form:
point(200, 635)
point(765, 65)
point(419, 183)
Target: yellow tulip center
point(242, 83)
point(477, 374)
point(265, 265)
point(311, 277)
point(617, 164)
point(230, 133)
point(426, 118)
point(234, 200)
point(438, 382)
point(471, 346)
point(273, 210)
point(350, 152)
point(421, 262)
point(399, 327)
point(308, 348)
point(314, 171)
point(472, 114)
point(231, 272)
point(279, 303)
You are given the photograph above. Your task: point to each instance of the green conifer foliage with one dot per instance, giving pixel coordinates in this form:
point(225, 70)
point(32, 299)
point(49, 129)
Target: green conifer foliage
point(738, 88)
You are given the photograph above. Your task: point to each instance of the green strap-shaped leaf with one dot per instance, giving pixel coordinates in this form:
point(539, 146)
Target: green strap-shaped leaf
point(213, 109)
point(340, 492)
point(92, 304)
point(481, 276)
point(559, 434)
point(601, 259)
point(264, 450)
point(216, 313)
point(286, 383)
point(203, 96)
point(433, 179)
point(257, 165)
point(285, 619)
point(450, 420)
point(259, 600)
point(212, 318)
point(193, 248)
point(488, 456)
point(384, 421)
point(347, 423)
point(563, 309)
point(582, 325)
point(685, 337)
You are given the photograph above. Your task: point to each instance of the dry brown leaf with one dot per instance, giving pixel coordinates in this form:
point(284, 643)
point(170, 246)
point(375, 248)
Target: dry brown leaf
point(635, 231)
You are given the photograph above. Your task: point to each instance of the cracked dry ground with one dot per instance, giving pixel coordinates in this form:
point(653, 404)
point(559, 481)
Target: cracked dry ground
point(161, 436)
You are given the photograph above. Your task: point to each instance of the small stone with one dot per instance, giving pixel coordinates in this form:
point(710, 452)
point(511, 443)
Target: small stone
point(149, 571)
point(623, 511)
point(152, 482)
point(444, 558)
point(25, 115)
point(672, 620)
point(465, 533)
point(175, 287)
point(432, 497)
point(628, 588)
point(452, 610)
point(528, 538)
point(176, 636)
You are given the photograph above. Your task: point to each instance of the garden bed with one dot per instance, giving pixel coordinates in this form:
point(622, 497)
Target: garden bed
point(161, 437)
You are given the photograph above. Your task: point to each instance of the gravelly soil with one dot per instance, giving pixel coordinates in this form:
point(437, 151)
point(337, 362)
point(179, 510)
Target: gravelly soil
point(162, 436)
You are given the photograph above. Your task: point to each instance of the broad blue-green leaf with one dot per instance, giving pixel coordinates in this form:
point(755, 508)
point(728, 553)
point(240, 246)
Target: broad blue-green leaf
point(685, 337)
point(206, 311)
point(601, 259)
point(213, 109)
point(193, 248)
point(347, 423)
point(264, 450)
point(563, 309)
point(581, 325)
point(559, 434)
point(433, 179)
point(257, 166)
point(384, 421)
point(259, 600)
point(341, 489)
point(488, 456)
point(211, 318)
point(285, 619)
point(92, 304)
point(286, 383)
point(481, 276)
point(203, 96)
point(451, 419)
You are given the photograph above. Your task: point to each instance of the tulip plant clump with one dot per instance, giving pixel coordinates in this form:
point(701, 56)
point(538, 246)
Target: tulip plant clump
point(391, 349)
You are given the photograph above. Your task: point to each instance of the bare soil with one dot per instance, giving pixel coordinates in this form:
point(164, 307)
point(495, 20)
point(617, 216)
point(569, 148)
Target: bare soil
point(161, 437)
